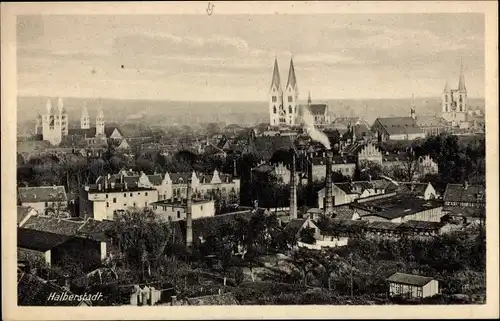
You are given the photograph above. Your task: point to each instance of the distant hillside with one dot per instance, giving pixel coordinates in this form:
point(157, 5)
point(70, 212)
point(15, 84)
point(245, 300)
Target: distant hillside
point(166, 113)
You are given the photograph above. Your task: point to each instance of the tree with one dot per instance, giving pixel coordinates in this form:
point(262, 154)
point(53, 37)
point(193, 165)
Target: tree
point(369, 170)
point(141, 237)
point(305, 261)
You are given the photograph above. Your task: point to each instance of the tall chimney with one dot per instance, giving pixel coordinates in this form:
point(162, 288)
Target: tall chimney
point(189, 217)
point(293, 190)
point(328, 183)
point(235, 172)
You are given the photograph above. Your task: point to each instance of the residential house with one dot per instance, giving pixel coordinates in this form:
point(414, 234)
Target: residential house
point(348, 192)
point(43, 199)
point(421, 190)
point(345, 165)
point(399, 208)
point(176, 210)
point(465, 202)
point(322, 240)
point(174, 185)
point(397, 128)
point(106, 198)
point(412, 286)
point(281, 172)
point(432, 125)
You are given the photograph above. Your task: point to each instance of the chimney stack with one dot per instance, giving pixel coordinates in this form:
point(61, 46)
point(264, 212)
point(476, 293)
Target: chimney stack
point(328, 183)
point(293, 190)
point(189, 217)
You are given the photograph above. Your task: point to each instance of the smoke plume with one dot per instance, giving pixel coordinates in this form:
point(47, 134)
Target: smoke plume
point(312, 131)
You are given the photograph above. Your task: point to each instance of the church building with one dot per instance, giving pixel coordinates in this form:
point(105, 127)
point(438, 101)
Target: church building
point(454, 101)
point(283, 102)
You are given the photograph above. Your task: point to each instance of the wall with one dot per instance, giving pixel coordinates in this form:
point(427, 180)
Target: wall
point(431, 215)
point(177, 213)
point(405, 290)
point(39, 206)
point(431, 288)
point(105, 204)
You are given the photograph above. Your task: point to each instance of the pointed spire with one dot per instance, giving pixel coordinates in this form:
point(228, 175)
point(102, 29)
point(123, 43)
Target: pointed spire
point(461, 79)
point(60, 105)
point(292, 81)
point(276, 75)
point(309, 101)
point(446, 87)
point(85, 111)
point(100, 113)
point(48, 106)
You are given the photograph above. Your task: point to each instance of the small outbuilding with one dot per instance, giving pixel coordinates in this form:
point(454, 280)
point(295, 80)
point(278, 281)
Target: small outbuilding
point(412, 286)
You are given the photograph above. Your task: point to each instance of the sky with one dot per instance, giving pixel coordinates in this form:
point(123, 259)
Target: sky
point(230, 57)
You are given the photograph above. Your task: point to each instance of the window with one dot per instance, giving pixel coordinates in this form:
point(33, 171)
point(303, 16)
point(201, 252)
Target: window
point(290, 99)
point(201, 207)
point(178, 214)
point(47, 204)
point(139, 193)
point(107, 204)
point(290, 110)
point(274, 99)
point(274, 109)
point(124, 194)
point(130, 194)
point(125, 205)
point(446, 98)
point(106, 195)
point(145, 204)
point(134, 204)
point(146, 193)
point(114, 199)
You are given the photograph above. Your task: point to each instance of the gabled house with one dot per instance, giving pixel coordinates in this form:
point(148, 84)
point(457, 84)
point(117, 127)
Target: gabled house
point(43, 199)
point(465, 203)
point(421, 190)
point(412, 286)
point(397, 128)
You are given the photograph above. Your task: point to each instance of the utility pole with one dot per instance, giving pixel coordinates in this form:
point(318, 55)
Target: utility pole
point(350, 258)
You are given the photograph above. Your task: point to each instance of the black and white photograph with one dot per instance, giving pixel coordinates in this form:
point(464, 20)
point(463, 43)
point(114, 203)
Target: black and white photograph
point(279, 159)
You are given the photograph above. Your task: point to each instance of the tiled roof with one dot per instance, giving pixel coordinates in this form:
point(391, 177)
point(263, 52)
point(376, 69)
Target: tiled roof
point(52, 225)
point(471, 194)
point(343, 212)
point(42, 194)
point(22, 212)
point(409, 279)
point(337, 159)
point(318, 109)
point(396, 206)
point(132, 179)
point(413, 187)
point(220, 299)
point(39, 240)
point(465, 211)
point(400, 125)
point(361, 130)
point(420, 225)
point(35, 291)
point(430, 121)
point(94, 188)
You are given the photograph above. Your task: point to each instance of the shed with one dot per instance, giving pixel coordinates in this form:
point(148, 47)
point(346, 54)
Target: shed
point(412, 286)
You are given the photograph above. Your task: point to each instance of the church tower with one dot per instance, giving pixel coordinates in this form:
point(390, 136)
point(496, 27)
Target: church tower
point(63, 117)
point(462, 91)
point(291, 96)
point(446, 99)
point(85, 119)
point(51, 125)
point(99, 123)
point(276, 113)
point(413, 113)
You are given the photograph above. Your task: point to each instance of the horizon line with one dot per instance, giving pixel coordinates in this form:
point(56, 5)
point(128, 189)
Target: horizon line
point(229, 101)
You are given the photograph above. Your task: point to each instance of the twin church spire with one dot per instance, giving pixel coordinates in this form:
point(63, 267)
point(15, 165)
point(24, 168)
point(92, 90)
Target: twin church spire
point(283, 102)
point(276, 80)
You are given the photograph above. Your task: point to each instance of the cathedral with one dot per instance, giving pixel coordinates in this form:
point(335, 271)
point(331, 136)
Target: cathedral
point(454, 101)
point(53, 126)
point(283, 101)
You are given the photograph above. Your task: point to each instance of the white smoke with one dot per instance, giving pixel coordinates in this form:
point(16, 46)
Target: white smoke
point(313, 132)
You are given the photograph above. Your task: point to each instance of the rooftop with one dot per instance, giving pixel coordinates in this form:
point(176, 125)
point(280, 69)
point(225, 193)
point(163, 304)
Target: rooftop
point(42, 194)
point(399, 125)
point(409, 279)
point(465, 194)
point(180, 203)
point(396, 206)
